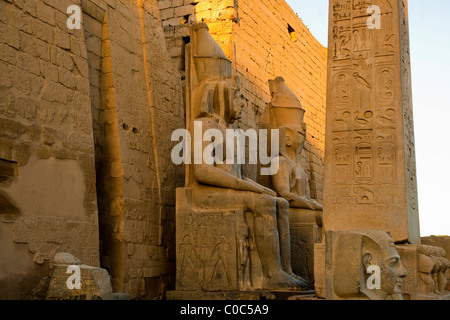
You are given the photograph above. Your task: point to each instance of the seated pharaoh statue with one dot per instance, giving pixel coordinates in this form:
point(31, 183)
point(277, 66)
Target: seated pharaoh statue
point(291, 182)
point(227, 225)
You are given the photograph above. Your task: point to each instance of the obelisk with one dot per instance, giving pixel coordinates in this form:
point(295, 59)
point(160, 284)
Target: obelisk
point(370, 172)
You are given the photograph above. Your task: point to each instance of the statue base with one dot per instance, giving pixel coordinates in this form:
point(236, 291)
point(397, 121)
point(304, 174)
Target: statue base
point(215, 250)
point(306, 231)
point(444, 297)
point(240, 295)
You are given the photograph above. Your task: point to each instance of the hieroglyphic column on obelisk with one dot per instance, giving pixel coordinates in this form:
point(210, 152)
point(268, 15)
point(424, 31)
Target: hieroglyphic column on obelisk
point(370, 175)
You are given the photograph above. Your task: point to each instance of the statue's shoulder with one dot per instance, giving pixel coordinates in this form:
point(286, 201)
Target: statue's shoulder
point(285, 164)
point(285, 161)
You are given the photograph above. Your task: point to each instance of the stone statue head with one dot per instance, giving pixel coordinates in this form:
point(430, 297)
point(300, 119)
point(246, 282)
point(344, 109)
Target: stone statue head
point(210, 61)
point(286, 109)
point(379, 250)
point(365, 265)
point(282, 95)
point(287, 115)
point(292, 137)
point(443, 252)
point(424, 249)
point(435, 251)
point(220, 99)
point(217, 91)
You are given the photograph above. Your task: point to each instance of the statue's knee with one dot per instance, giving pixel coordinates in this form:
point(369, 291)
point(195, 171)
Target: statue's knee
point(268, 202)
point(283, 203)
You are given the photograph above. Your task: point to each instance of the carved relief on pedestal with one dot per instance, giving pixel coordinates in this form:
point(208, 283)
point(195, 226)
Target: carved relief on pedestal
point(206, 262)
point(427, 268)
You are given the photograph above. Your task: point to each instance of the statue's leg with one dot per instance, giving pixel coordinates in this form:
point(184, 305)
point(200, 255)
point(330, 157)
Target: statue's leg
point(435, 282)
point(444, 280)
point(266, 233)
point(284, 234)
point(267, 238)
point(285, 239)
point(440, 282)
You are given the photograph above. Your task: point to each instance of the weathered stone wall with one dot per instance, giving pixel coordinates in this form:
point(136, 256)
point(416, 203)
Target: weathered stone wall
point(265, 39)
point(87, 114)
point(137, 103)
point(46, 129)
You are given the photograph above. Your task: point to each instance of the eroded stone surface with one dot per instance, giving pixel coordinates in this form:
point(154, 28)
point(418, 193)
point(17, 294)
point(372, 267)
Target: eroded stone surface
point(427, 268)
point(93, 283)
point(349, 258)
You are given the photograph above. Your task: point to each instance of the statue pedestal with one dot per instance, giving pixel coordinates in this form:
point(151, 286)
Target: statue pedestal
point(319, 269)
point(240, 295)
point(214, 249)
point(306, 231)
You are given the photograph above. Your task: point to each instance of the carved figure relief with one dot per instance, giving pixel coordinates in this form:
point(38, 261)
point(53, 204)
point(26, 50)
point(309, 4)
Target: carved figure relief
point(189, 262)
point(432, 267)
point(220, 255)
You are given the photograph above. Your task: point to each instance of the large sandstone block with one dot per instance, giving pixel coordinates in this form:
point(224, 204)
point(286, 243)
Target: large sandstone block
point(94, 283)
point(362, 265)
point(319, 270)
point(213, 252)
point(305, 234)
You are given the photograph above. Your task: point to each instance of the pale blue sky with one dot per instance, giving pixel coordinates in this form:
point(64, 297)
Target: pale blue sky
point(430, 60)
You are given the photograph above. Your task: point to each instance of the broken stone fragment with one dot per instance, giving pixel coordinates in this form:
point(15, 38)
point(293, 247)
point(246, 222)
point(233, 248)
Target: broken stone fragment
point(70, 279)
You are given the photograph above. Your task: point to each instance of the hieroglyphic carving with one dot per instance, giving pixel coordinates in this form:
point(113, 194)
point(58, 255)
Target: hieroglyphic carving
point(342, 163)
point(385, 86)
point(370, 139)
point(363, 172)
point(342, 86)
point(386, 163)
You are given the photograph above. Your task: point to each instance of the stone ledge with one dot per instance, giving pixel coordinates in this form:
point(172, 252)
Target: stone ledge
point(241, 295)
